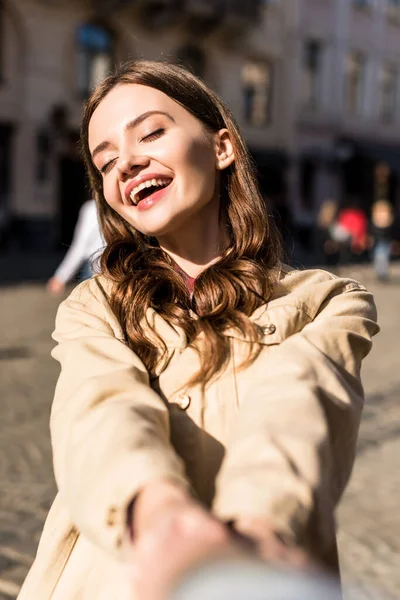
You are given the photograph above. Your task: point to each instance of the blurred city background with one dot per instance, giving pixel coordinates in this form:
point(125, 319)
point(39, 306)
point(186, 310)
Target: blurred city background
point(314, 86)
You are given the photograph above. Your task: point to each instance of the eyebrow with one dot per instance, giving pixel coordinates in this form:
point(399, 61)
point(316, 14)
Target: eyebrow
point(131, 125)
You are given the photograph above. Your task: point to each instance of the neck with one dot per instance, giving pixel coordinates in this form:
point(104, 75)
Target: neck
point(198, 243)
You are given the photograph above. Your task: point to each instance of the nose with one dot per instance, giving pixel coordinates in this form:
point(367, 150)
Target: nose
point(128, 163)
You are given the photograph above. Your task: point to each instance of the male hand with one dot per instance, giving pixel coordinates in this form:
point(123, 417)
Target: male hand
point(270, 547)
point(172, 534)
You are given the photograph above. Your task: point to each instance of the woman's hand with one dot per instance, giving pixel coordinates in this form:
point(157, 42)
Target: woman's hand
point(172, 534)
point(55, 286)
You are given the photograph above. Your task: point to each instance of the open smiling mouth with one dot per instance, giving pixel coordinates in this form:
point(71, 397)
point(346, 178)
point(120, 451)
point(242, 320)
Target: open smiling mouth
point(148, 188)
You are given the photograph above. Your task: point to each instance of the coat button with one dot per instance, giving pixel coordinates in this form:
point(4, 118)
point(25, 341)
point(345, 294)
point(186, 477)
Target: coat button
point(183, 401)
point(112, 516)
point(268, 329)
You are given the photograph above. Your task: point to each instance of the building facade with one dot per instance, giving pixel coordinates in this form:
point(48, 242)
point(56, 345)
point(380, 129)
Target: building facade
point(313, 85)
point(54, 51)
point(346, 118)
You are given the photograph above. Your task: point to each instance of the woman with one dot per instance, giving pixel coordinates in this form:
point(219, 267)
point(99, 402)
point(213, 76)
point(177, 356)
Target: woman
point(382, 235)
point(206, 390)
point(84, 251)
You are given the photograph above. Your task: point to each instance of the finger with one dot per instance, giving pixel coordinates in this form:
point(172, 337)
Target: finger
point(288, 556)
point(197, 524)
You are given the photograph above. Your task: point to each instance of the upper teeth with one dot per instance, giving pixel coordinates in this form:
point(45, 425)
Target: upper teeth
point(149, 183)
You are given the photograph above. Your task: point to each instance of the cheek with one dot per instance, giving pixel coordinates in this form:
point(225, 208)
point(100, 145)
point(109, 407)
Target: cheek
point(111, 191)
point(201, 156)
point(198, 161)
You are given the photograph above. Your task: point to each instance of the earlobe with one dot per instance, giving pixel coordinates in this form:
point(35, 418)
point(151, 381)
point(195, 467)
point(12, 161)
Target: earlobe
point(225, 154)
point(224, 160)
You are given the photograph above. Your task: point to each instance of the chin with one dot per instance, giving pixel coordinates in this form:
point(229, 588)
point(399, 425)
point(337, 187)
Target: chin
point(156, 229)
point(160, 223)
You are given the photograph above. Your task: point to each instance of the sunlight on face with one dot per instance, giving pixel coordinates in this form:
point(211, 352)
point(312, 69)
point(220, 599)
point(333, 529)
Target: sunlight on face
point(157, 162)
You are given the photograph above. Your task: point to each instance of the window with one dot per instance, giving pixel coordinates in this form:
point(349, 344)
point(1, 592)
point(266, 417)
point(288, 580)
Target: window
point(312, 72)
point(6, 143)
point(363, 3)
point(2, 49)
point(355, 82)
point(257, 91)
point(388, 83)
point(308, 172)
point(393, 9)
point(95, 56)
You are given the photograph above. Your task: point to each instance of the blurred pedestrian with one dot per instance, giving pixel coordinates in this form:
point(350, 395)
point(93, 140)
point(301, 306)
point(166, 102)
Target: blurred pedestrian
point(352, 220)
point(85, 249)
point(326, 244)
point(209, 397)
point(382, 235)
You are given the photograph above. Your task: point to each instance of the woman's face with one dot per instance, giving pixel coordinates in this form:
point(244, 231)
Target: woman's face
point(158, 164)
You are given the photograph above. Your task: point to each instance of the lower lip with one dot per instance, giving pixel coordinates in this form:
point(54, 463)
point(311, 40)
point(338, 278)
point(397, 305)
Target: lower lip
point(149, 202)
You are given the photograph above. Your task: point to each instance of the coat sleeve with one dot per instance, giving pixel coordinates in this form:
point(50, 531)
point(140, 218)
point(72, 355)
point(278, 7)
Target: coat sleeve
point(109, 429)
point(293, 442)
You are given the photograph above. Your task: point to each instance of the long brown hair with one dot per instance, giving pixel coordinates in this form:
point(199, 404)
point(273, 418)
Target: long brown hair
point(144, 276)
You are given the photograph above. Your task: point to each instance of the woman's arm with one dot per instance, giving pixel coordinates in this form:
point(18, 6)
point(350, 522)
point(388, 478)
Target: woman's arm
point(78, 251)
point(293, 443)
point(109, 429)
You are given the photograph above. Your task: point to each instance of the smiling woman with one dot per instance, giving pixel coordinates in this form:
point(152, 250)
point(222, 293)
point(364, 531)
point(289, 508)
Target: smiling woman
point(157, 125)
point(209, 397)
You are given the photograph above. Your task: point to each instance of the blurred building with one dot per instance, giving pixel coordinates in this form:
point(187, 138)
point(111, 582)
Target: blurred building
point(345, 111)
point(313, 84)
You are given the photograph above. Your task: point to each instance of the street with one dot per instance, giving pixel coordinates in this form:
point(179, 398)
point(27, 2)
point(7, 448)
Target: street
point(369, 517)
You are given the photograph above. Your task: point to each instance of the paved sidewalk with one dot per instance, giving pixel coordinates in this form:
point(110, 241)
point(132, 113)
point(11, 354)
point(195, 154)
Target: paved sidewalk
point(369, 517)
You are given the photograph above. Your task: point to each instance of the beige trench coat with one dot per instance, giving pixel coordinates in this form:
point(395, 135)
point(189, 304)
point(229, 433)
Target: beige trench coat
point(276, 440)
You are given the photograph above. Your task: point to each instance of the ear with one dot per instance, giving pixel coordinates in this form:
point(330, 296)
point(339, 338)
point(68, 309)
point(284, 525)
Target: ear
point(224, 149)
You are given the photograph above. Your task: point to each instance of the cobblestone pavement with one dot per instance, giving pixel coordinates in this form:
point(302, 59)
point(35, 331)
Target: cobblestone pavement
point(369, 517)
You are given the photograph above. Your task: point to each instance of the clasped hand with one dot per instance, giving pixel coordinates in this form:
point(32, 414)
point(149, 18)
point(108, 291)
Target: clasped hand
point(172, 534)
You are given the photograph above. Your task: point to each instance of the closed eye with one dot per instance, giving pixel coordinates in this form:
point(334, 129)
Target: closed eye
point(148, 138)
point(105, 168)
point(154, 135)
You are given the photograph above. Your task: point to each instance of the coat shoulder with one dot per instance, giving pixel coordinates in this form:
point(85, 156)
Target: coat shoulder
point(294, 279)
point(310, 288)
point(91, 292)
point(91, 297)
